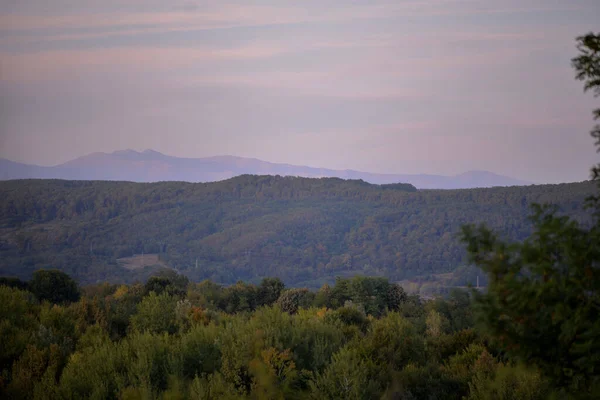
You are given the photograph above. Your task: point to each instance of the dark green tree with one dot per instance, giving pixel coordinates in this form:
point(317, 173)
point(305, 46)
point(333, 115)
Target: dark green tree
point(54, 286)
point(13, 283)
point(238, 298)
point(269, 291)
point(395, 297)
point(169, 282)
point(542, 305)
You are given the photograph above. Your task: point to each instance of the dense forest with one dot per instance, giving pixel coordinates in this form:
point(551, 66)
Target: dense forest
point(362, 338)
point(305, 231)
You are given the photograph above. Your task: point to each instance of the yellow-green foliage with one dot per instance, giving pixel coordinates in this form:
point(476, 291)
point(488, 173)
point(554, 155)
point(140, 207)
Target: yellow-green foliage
point(508, 382)
point(17, 323)
point(129, 343)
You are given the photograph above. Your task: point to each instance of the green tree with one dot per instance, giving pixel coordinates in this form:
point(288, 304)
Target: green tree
point(506, 382)
point(350, 375)
point(94, 373)
point(370, 292)
point(422, 382)
point(392, 342)
point(543, 300)
point(323, 296)
point(156, 314)
point(17, 323)
point(199, 352)
point(396, 296)
point(435, 324)
point(238, 298)
point(213, 387)
point(169, 282)
point(269, 291)
point(54, 286)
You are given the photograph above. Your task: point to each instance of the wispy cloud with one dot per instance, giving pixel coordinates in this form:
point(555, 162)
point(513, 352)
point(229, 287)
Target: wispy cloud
point(60, 64)
point(378, 58)
point(227, 16)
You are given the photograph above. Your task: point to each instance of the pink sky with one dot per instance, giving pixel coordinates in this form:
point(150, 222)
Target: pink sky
point(430, 86)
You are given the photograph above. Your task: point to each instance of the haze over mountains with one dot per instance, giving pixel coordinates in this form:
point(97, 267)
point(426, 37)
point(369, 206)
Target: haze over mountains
point(152, 166)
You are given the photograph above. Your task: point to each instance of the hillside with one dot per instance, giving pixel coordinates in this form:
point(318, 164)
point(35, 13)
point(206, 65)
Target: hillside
point(302, 230)
point(152, 166)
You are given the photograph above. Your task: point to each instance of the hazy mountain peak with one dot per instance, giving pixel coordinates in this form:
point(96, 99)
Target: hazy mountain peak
point(152, 166)
point(152, 152)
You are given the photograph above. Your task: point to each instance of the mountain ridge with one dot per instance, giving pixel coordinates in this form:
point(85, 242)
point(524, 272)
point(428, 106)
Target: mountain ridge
point(304, 230)
point(152, 166)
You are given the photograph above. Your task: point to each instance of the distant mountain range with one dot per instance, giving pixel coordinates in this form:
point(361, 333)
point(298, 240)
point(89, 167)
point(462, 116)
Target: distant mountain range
point(152, 166)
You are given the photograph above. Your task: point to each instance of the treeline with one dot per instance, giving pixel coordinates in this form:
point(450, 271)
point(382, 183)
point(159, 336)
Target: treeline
point(306, 231)
point(362, 338)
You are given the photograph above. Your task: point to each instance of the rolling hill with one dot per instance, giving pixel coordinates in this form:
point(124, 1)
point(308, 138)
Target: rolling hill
point(152, 166)
point(304, 230)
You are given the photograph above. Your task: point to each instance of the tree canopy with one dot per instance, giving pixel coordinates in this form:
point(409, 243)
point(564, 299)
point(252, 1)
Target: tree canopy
point(241, 342)
point(54, 286)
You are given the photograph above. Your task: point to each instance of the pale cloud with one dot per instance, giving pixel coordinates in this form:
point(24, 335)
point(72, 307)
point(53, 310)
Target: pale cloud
point(62, 63)
point(378, 58)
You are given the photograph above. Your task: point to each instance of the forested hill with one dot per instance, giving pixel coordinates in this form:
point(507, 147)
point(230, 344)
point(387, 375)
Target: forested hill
point(302, 230)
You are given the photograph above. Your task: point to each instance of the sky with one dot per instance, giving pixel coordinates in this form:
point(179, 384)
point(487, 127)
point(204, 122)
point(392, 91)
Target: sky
point(423, 86)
